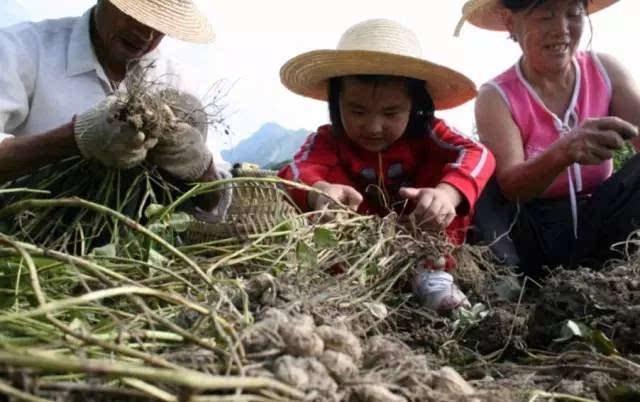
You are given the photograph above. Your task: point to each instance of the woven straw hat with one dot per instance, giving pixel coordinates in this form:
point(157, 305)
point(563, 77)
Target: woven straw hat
point(179, 19)
point(381, 47)
point(486, 14)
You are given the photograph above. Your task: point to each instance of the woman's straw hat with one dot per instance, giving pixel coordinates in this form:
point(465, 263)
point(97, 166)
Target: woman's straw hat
point(179, 19)
point(381, 47)
point(487, 14)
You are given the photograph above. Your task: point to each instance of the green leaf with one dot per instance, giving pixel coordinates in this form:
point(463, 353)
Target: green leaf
point(466, 317)
point(283, 226)
point(623, 393)
point(603, 343)
point(372, 270)
point(571, 329)
point(306, 255)
point(108, 250)
point(324, 238)
point(7, 301)
point(9, 270)
point(156, 258)
point(596, 338)
point(179, 221)
point(153, 210)
point(378, 310)
point(78, 325)
point(157, 228)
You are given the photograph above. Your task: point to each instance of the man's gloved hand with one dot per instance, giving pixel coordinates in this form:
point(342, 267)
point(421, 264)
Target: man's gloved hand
point(181, 150)
point(219, 212)
point(101, 135)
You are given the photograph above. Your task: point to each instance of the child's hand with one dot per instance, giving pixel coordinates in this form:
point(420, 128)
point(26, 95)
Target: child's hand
point(345, 195)
point(435, 206)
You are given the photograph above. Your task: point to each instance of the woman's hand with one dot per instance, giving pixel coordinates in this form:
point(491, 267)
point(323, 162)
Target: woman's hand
point(340, 193)
point(596, 140)
point(435, 206)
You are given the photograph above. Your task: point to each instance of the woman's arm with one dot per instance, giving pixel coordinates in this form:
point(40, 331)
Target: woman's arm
point(518, 179)
point(625, 97)
point(591, 143)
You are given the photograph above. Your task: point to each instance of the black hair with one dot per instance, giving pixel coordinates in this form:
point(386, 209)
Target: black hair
point(422, 108)
point(521, 5)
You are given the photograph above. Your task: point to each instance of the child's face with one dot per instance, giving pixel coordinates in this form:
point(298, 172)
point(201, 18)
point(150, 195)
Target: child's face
point(374, 115)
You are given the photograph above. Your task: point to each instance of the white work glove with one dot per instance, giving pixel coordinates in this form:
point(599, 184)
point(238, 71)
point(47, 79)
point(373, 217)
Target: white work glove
point(219, 213)
point(101, 135)
point(181, 150)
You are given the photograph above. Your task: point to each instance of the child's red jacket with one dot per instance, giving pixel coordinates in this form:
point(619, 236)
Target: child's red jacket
point(442, 156)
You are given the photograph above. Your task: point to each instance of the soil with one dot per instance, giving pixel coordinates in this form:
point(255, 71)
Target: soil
point(514, 351)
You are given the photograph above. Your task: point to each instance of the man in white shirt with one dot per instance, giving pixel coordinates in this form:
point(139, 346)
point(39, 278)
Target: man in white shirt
point(57, 81)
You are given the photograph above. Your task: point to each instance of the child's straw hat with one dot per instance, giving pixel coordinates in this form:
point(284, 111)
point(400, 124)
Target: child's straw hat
point(179, 19)
point(487, 14)
point(380, 47)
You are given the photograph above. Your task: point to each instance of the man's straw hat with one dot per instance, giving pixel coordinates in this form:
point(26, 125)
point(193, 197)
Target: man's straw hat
point(486, 14)
point(380, 47)
point(179, 19)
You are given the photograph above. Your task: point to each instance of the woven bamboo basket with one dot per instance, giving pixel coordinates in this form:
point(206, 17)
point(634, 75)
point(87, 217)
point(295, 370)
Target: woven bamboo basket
point(256, 207)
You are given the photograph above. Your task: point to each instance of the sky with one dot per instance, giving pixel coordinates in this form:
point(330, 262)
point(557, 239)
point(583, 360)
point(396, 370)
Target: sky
point(255, 38)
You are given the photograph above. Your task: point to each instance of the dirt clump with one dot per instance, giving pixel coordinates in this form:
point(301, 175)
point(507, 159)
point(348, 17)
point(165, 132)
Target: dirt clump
point(306, 374)
point(448, 380)
point(382, 351)
point(340, 365)
point(341, 340)
point(606, 301)
point(375, 393)
point(300, 338)
point(332, 363)
point(503, 329)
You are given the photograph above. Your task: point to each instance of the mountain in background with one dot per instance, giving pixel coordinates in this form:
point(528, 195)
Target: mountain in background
point(268, 147)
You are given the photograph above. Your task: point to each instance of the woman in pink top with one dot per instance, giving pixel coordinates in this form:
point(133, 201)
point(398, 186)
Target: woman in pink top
point(554, 121)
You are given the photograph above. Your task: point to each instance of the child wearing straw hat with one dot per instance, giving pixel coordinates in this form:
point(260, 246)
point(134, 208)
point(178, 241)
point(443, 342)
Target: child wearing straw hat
point(384, 146)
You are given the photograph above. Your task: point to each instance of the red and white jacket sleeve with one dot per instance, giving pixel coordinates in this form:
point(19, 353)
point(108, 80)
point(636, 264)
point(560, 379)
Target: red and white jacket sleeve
point(470, 164)
point(314, 162)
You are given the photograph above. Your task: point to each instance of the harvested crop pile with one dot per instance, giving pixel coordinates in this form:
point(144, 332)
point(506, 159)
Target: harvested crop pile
point(323, 313)
point(101, 299)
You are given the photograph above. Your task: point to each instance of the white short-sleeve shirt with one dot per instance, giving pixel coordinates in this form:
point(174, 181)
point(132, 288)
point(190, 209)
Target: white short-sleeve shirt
point(49, 72)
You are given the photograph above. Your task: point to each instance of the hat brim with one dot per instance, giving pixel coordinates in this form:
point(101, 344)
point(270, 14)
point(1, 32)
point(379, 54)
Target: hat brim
point(308, 74)
point(487, 14)
point(180, 20)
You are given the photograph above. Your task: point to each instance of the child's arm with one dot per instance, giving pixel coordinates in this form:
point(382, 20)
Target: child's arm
point(469, 164)
point(341, 193)
point(316, 160)
point(435, 206)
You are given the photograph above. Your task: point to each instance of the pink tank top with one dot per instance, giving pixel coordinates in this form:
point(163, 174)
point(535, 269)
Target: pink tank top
point(539, 127)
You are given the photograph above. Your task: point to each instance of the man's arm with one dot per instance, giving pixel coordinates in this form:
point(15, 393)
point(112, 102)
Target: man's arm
point(19, 156)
